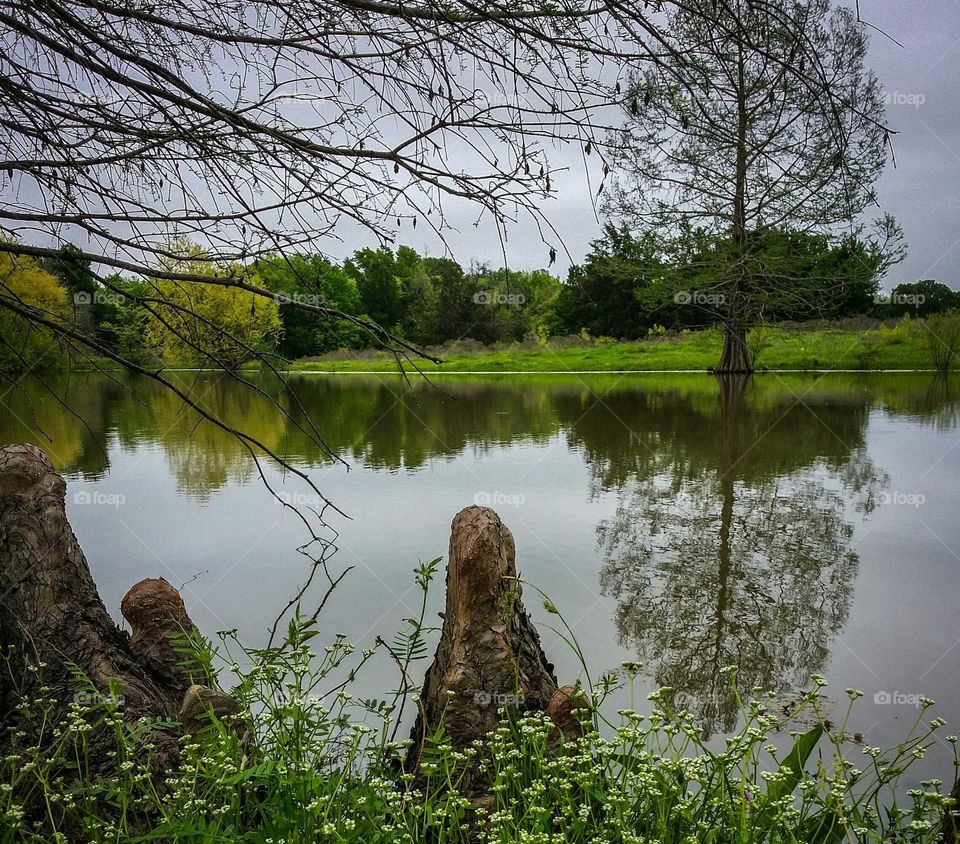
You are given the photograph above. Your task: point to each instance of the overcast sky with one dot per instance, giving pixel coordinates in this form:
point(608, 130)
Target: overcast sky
point(922, 82)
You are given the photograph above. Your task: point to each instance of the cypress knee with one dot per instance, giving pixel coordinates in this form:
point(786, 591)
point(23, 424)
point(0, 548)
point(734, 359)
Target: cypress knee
point(489, 655)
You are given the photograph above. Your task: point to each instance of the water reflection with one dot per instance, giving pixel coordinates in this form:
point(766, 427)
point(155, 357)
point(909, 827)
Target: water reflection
point(736, 501)
point(625, 427)
point(730, 543)
point(383, 422)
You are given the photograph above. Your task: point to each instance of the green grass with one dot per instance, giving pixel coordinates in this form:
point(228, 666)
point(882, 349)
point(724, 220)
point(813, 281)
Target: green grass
point(903, 347)
point(306, 762)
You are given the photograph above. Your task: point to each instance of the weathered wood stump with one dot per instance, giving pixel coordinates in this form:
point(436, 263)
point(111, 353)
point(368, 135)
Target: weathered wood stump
point(52, 617)
point(489, 656)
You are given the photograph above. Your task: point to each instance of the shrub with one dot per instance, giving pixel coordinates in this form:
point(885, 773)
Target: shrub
point(759, 339)
point(900, 333)
point(943, 339)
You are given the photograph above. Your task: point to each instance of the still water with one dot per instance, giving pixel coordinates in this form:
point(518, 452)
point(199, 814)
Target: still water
point(789, 525)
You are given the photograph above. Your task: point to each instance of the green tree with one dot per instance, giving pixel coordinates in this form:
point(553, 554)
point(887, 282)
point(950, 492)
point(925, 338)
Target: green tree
point(26, 285)
point(601, 295)
point(628, 283)
point(212, 324)
point(125, 320)
point(794, 274)
point(453, 311)
point(919, 298)
point(94, 306)
point(379, 281)
point(541, 292)
point(511, 305)
point(727, 134)
point(312, 279)
point(73, 271)
point(341, 290)
point(421, 319)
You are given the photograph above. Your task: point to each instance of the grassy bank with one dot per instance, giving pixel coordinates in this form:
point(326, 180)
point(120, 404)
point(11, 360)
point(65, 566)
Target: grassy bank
point(306, 762)
point(902, 347)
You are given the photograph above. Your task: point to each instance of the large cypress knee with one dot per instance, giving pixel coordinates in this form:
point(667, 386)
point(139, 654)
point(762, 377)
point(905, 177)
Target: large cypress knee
point(489, 655)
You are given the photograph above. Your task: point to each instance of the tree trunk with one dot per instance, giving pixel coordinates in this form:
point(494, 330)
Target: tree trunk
point(489, 656)
point(52, 618)
point(735, 358)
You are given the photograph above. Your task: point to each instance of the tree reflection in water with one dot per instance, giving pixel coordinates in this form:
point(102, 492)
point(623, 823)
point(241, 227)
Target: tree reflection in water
point(733, 548)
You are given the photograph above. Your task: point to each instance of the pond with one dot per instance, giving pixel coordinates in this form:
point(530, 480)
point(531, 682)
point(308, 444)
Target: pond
point(789, 525)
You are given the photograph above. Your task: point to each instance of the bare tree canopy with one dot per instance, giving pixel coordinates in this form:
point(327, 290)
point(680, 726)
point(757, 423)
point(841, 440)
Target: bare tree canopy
point(811, 153)
point(255, 128)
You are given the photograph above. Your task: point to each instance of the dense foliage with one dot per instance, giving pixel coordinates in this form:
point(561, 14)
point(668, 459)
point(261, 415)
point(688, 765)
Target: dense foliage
point(629, 286)
point(211, 324)
point(32, 287)
point(308, 762)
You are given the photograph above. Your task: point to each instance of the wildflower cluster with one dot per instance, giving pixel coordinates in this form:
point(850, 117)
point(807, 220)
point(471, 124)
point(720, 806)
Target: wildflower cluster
point(307, 762)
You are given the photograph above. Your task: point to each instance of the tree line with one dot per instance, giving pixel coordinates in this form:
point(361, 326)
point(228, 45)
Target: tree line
point(628, 287)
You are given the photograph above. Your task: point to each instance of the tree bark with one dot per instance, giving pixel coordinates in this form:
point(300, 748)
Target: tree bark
point(735, 359)
point(489, 656)
point(52, 618)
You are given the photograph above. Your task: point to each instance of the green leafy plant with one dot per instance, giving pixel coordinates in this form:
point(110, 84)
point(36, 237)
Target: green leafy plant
point(943, 339)
point(308, 762)
point(759, 339)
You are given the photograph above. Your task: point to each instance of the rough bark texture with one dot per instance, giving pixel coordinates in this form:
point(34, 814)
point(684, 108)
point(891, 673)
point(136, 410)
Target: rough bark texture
point(200, 701)
point(735, 358)
point(159, 620)
point(489, 655)
point(51, 613)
